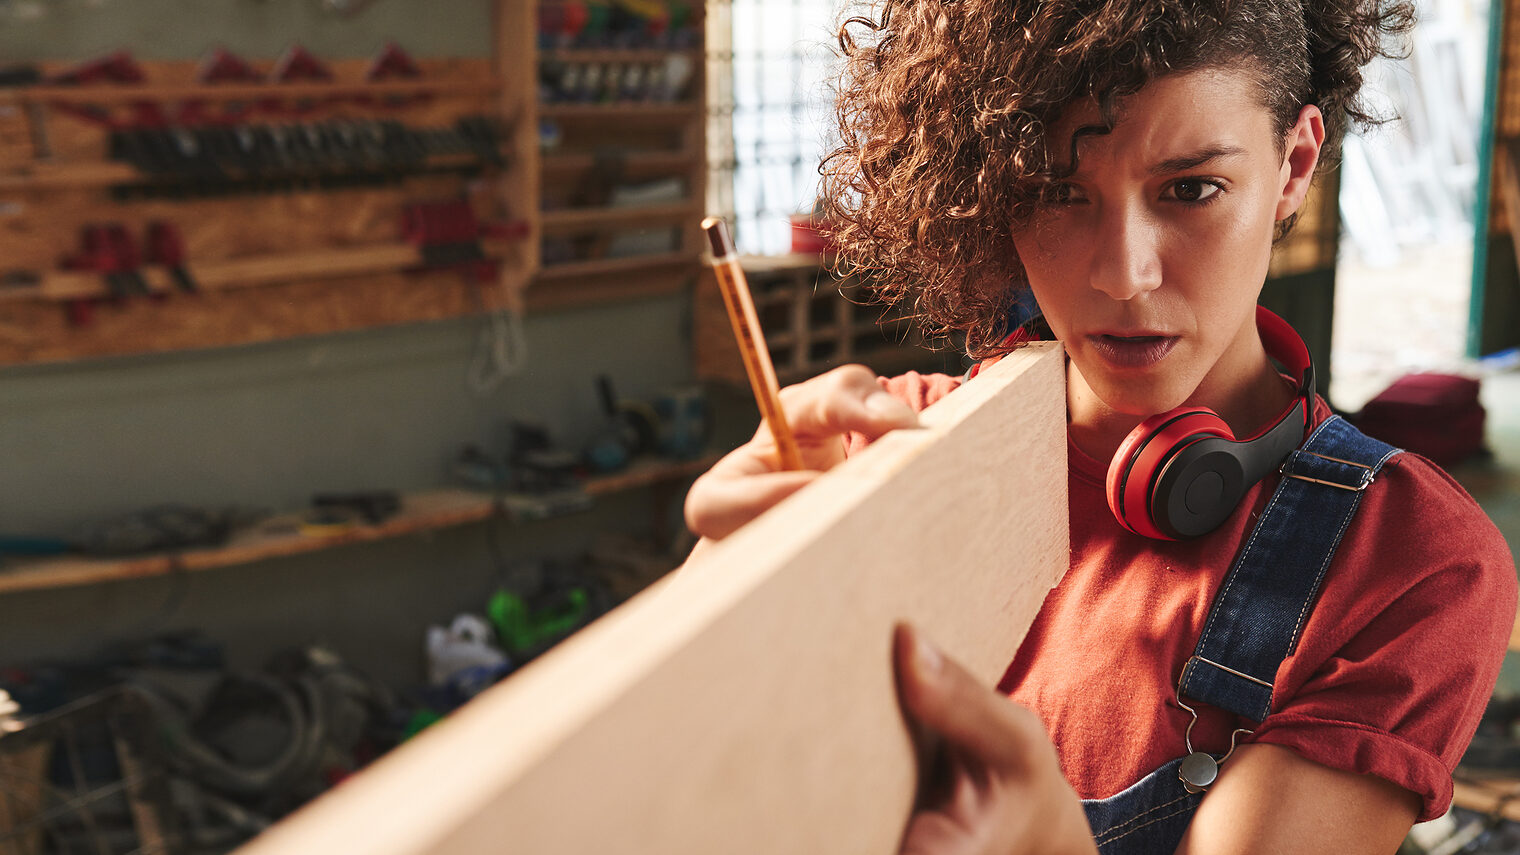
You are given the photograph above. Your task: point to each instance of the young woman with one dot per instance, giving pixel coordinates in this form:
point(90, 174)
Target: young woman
point(1300, 667)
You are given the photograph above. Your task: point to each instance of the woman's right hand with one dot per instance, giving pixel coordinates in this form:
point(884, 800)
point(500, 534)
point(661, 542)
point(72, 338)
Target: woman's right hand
point(821, 411)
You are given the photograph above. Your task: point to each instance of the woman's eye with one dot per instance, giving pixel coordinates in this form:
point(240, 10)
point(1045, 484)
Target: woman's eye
point(1062, 194)
point(1193, 190)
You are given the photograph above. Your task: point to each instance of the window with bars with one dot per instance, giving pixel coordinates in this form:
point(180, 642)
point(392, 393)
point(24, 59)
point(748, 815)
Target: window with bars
point(771, 66)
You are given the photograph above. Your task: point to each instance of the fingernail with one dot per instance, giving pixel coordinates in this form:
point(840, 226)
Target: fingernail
point(881, 404)
point(928, 656)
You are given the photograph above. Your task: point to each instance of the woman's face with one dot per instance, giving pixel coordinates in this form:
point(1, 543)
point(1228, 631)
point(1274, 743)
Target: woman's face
point(1148, 260)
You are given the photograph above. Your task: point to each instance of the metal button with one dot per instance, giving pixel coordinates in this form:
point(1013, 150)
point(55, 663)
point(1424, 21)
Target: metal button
point(1198, 771)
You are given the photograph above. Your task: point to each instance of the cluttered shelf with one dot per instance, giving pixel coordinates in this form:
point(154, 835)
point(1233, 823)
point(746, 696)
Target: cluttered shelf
point(422, 511)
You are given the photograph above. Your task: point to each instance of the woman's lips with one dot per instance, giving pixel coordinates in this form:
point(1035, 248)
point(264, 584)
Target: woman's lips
point(1136, 351)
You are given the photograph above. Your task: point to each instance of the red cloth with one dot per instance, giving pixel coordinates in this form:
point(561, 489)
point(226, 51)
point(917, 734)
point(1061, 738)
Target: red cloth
point(1392, 672)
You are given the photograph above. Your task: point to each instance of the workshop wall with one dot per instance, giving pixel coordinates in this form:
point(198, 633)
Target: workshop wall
point(267, 425)
point(185, 29)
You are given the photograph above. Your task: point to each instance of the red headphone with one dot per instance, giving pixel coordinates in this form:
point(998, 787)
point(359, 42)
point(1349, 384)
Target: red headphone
point(1179, 474)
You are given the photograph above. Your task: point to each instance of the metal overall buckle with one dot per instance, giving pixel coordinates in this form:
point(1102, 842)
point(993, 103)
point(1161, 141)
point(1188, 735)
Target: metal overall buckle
point(1199, 769)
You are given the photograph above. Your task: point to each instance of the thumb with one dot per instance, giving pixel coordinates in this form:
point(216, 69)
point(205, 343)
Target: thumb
point(943, 696)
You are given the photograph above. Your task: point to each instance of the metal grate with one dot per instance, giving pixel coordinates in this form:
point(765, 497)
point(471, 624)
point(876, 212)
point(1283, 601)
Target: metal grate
point(85, 778)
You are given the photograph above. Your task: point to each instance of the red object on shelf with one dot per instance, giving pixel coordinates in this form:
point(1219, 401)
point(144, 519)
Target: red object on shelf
point(107, 249)
point(165, 246)
point(223, 66)
point(434, 223)
point(219, 66)
point(810, 235)
point(118, 67)
point(298, 65)
point(392, 63)
point(448, 234)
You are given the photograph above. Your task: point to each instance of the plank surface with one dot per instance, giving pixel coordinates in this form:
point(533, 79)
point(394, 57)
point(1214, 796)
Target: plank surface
point(746, 704)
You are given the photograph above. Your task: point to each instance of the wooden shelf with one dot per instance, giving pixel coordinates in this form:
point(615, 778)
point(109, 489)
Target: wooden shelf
point(570, 219)
point(136, 92)
point(55, 175)
point(233, 273)
point(420, 512)
point(48, 176)
point(631, 163)
point(630, 110)
point(608, 266)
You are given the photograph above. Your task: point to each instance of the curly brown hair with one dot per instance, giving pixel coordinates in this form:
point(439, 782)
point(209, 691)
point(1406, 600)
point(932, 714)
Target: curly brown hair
point(944, 104)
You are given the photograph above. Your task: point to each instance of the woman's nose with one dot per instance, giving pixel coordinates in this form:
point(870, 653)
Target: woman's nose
point(1126, 260)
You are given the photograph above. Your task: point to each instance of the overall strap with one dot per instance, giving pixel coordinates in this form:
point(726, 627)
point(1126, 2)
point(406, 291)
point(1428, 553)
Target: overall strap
point(1257, 616)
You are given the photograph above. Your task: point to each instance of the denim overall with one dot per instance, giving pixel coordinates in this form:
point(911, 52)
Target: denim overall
point(1253, 625)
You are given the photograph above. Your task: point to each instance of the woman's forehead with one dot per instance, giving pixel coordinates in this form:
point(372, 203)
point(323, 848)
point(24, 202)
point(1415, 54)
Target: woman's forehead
point(1170, 114)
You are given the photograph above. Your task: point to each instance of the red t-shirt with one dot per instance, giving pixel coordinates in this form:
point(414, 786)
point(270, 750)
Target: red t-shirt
point(1393, 669)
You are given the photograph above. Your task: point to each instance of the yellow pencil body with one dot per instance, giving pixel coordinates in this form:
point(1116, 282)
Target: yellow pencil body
point(752, 349)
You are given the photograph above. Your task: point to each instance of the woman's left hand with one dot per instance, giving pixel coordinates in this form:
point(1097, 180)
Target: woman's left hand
point(999, 788)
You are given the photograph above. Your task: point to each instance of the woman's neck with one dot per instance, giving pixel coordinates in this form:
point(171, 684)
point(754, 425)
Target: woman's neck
point(1246, 406)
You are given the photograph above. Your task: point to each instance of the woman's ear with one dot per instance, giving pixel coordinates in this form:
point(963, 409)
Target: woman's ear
point(1300, 156)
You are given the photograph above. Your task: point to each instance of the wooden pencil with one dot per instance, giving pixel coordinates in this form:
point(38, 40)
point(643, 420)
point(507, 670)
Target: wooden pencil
point(752, 349)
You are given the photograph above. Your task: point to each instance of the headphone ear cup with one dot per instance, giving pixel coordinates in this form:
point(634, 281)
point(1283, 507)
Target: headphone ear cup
point(1137, 465)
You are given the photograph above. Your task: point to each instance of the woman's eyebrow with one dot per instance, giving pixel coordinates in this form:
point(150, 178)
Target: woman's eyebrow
point(1195, 159)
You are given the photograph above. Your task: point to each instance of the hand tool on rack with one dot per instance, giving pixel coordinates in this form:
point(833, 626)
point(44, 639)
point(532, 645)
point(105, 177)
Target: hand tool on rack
point(448, 235)
point(297, 64)
point(118, 67)
point(106, 249)
point(220, 66)
point(392, 63)
point(167, 248)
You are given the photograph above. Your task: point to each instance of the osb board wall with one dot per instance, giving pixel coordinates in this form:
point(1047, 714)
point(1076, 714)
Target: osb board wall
point(39, 227)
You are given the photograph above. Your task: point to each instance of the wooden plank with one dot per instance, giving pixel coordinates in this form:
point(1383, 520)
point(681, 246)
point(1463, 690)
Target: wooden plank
point(233, 273)
point(747, 703)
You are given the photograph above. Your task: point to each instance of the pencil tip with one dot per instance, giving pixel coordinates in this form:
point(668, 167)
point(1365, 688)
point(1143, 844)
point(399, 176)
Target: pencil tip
point(717, 235)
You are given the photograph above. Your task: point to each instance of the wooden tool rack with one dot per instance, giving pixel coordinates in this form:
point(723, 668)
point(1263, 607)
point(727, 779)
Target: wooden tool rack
point(313, 249)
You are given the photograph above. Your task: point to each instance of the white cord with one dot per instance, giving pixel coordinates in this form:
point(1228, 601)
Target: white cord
point(500, 352)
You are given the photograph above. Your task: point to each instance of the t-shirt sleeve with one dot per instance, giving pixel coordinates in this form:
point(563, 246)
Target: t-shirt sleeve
point(1399, 658)
point(914, 389)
